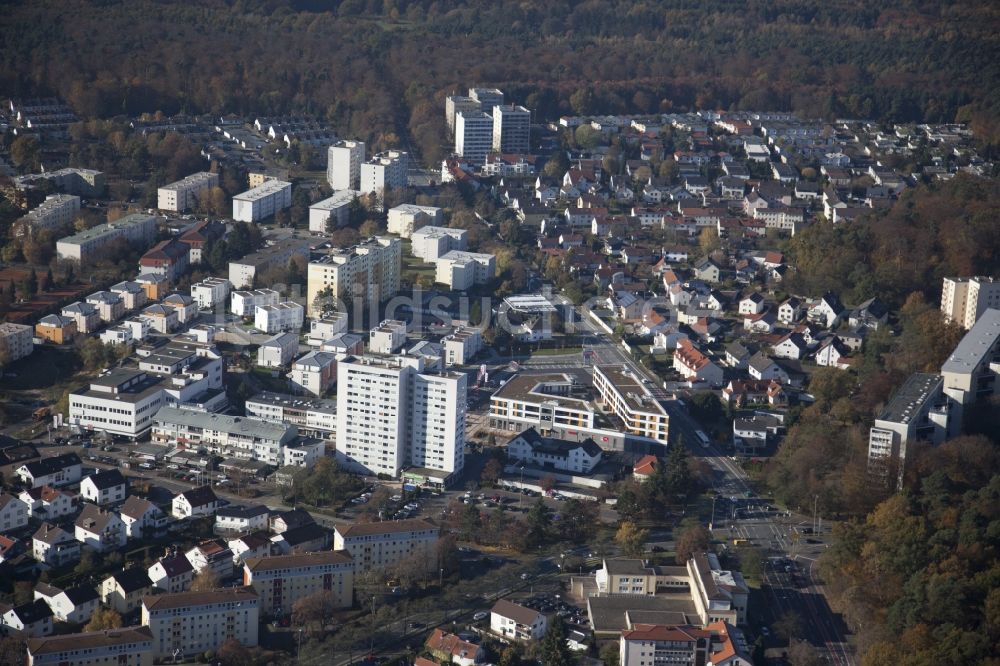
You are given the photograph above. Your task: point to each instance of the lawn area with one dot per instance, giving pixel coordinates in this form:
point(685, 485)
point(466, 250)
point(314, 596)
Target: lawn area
point(268, 381)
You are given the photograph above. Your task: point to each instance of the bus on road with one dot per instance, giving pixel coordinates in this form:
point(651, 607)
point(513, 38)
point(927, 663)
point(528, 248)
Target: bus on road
point(702, 437)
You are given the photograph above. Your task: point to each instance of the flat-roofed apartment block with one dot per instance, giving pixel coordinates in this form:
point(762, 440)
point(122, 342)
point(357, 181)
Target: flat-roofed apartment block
point(488, 98)
point(83, 182)
point(386, 544)
point(919, 411)
point(965, 300)
point(544, 402)
point(461, 270)
point(128, 646)
point(17, 340)
point(384, 171)
point(244, 303)
point(461, 345)
point(404, 219)
point(627, 397)
point(369, 270)
point(243, 271)
point(138, 230)
point(229, 436)
point(473, 135)
point(210, 292)
point(282, 580)
point(58, 210)
point(314, 417)
point(262, 201)
point(970, 373)
point(186, 623)
point(455, 104)
point(336, 207)
point(511, 129)
point(388, 337)
point(183, 194)
point(431, 242)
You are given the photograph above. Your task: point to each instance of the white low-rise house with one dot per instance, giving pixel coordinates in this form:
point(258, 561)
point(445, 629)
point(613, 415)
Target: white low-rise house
point(245, 303)
point(188, 623)
point(161, 318)
point(461, 345)
point(388, 337)
point(790, 310)
point(54, 547)
point(171, 573)
point(515, 622)
point(117, 335)
point(73, 604)
point(110, 305)
point(99, 530)
point(326, 326)
point(830, 353)
point(47, 503)
point(235, 518)
point(828, 311)
point(196, 502)
point(139, 327)
point(105, 487)
point(287, 316)
point(210, 292)
point(278, 351)
point(124, 590)
point(131, 293)
point(763, 368)
point(33, 619)
point(461, 270)
point(752, 304)
point(13, 513)
point(184, 305)
point(563, 455)
point(54, 471)
point(86, 316)
point(315, 372)
point(142, 518)
point(304, 453)
point(213, 555)
point(791, 346)
point(247, 546)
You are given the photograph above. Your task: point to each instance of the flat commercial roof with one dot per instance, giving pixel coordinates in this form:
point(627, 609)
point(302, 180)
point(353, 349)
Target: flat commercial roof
point(339, 198)
point(289, 401)
point(102, 229)
point(268, 188)
point(535, 303)
point(527, 388)
point(221, 422)
point(631, 389)
point(607, 614)
point(976, 344)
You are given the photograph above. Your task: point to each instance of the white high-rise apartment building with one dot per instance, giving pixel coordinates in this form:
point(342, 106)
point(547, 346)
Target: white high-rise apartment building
point(487, 98)
point(391, 414)
point(455, 104)
point(511, 129)
point(384, 171)
point(343, 164)
point(473, 135)
point(263, 201)
point(184, 193)
point(369, 271)
point(964, 300)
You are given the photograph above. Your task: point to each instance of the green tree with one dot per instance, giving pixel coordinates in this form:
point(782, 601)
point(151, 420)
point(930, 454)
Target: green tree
point(611, 655)
point(491, 472)
point(539, 524)
point(553, 648)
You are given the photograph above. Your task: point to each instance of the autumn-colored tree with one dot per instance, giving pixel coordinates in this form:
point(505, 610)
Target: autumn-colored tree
point(205, 581)
point(104, 618)
point(631, 539)
point(692, 539)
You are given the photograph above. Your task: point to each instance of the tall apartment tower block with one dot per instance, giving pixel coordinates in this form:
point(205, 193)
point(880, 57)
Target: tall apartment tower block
point(343, 164)
point(473, 135)
point(964, 300)
point(511, 129)
point(487, 98)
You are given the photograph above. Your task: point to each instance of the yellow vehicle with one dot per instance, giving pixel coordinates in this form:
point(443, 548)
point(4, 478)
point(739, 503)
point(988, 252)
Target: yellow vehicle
point(741, 542)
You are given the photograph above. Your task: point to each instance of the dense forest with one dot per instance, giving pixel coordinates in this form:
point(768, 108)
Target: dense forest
point(383, 66)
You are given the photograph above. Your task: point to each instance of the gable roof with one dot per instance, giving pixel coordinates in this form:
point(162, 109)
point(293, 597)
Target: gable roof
point(94, 519)
point(516, 612)
point(52, 464)
point(441, 641)
point(32, 612)
point(80, 594)
point(106, 479)
point(50, 534)
point(385, 527)
point(131, 580)
point(136, 507)
point(303, 534)
point(760, 362)
point(89, 640)
point(175, 565)
point(645, 466)
point(200, 496)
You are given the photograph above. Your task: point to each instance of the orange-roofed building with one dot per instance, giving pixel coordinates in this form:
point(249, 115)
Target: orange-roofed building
point(644, 467)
